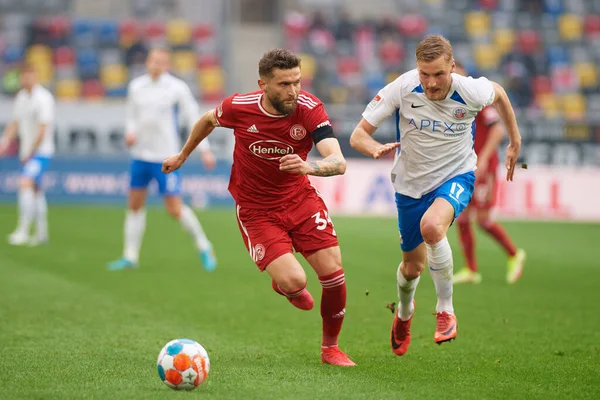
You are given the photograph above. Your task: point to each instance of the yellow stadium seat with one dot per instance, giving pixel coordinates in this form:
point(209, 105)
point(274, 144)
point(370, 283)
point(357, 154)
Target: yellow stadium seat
point(570, 27)
point(587, 74)
point(113, 76)
point(486, 56)
point(39, 54)
point(477, 23)
point(184, 62)
point(339, 95)
point(179, 32)
point(504, 40)
point(573, 106)
point(211, 79)
point(309, 66)
point(68, 89)
point(549, 104)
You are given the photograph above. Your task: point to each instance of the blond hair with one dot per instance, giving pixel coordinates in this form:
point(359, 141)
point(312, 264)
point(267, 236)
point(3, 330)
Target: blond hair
point(433, 47)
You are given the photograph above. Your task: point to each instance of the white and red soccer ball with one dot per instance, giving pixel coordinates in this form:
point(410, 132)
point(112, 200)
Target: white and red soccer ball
point(183, 364)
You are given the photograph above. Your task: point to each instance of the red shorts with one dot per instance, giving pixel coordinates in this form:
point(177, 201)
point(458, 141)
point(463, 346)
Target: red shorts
point(303, 225)
point(485, 192)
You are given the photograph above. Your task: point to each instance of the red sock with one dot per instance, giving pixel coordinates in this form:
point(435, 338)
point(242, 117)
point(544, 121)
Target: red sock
point(333, 306)
point(467, 241)
point(300, 298)
point(497, 232)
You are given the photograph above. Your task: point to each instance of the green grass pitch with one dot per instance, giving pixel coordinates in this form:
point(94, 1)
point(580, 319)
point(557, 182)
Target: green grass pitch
point(69, 329)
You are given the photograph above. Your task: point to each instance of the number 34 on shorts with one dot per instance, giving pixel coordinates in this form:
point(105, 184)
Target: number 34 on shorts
point(322, 219)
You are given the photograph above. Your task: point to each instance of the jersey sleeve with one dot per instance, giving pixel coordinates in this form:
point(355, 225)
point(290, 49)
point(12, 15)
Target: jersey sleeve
point(489, 116)
point(191, 110)
point(384, 103)
point(480, 92)
point(225, 113)
point(46, 111)
point(130, 111)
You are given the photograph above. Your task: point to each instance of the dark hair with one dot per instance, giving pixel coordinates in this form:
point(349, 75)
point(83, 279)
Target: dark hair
point(277, 58)
point(433, 47)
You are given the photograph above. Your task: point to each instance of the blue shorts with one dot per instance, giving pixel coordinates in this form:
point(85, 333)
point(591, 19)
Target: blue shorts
point(142, 172)
point(457, 191)
point(35, 168)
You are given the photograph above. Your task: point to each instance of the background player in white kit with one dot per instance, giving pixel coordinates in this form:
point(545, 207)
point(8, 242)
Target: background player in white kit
point(32, 121)
point(151, 132)
point(433, 171)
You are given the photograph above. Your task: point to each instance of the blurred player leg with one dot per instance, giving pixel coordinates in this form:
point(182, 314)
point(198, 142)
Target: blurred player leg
point(26, 205)
point(169, 186)
point(41, 219)
point(327, 263)
point(434, 225)
point(469, 273)
point(289, 280)
point(133, 231)
point(516, 257)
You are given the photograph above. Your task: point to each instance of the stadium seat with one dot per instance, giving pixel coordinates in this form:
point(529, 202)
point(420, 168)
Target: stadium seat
point(587, 74)
point(477, 24)
point(202, 32)
point(113, 76)
point(128, 33)
point(486, 56)
point(412, 25)
point(529, 41)
point(504, 40)
point(88, 63)
point(184, 62)
point(92, 90)
point(39, 54)
point(83, 33)
point(13, 54)
point(154, 30)
point(68, 89)
point(211, 80)
point(179, 32)
point(592, 25)
point(541, 84)
point(570, 27)
point(309, 66)
point(108, 34)
point(573, 106)
point(549, 104)
point(64, 56)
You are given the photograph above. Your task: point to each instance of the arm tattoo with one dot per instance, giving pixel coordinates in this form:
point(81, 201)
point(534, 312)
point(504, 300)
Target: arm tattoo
point(330, 166)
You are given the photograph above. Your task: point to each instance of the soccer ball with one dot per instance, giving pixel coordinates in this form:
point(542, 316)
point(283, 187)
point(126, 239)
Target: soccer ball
point(183, 364)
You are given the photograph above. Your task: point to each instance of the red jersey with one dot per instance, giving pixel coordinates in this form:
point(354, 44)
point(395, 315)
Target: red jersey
point(483, 121)
point(261, 139)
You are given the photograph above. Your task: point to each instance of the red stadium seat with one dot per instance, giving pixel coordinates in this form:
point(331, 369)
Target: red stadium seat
point(202, 32)
point(541, 84)
point(592, 25)
point(92, 90)
point(413, 25)
point(529, 41)
point(154, 30)
point(64, 56)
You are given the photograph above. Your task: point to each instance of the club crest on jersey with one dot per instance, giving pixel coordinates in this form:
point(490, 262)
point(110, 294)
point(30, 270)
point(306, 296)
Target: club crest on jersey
point(297, 132)
point(259, 252)
point(459, 113)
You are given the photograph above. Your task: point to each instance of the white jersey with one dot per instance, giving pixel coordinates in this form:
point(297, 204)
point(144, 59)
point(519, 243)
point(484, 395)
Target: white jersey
point(152, 115)
point(436, 136)
point(30, 111)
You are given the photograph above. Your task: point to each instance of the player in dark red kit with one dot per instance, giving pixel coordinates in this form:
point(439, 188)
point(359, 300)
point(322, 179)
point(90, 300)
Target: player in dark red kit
point(278, 210)
point(488, 136)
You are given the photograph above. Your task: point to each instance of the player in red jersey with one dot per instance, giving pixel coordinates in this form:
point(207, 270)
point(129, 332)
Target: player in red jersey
point(488, 136)
point(278, 210)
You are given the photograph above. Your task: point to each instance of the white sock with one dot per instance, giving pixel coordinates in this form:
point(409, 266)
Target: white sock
point(41, 215)
point(440, 268)
point(406, 293)
point(135, 225)
point(26, 210)
point(190, 223)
